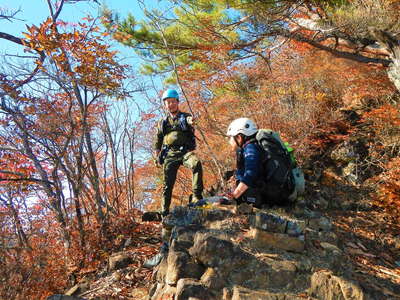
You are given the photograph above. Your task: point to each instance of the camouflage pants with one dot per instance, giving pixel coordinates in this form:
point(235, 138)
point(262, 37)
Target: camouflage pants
point(171, 165)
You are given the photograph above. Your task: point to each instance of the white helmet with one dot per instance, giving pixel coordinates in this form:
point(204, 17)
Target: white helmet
point(244, 126)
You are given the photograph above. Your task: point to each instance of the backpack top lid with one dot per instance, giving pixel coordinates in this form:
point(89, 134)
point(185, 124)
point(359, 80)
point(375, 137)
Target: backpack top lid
point(267, 134)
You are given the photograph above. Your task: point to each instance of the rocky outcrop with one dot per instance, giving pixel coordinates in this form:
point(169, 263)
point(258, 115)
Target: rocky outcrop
point(325, 285)
point(244, 253)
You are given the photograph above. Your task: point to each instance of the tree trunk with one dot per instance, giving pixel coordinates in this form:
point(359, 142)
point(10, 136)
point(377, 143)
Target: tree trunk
point(394, 71)
point(392, 45)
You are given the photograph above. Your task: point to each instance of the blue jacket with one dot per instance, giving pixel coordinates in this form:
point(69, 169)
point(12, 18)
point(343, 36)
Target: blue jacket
point(249, 164)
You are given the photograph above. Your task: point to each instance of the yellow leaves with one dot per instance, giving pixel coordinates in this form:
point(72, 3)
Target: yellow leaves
point(79, 48)
point(28, 36)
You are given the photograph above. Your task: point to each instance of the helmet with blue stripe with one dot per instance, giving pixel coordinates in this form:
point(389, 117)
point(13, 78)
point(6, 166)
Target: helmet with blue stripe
point(170, 93)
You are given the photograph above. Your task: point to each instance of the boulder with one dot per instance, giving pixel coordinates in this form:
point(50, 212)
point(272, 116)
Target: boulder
point(217, 253)
point(243, 209)
point(241, 293)
point(118, 261)
point(162, 291)
point(63, 297)
point(269, 222)
point(331, 248)
point(212, 279)
point(325, 285)
point(180, 265)
point(264, 239)
point(189, 288)
point(320, 224)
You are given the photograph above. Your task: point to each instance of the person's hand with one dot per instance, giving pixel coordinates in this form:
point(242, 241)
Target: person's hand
point(155, 161)
point(225, 200)
point(190, 120)
point(155, 158)
point(228, 195)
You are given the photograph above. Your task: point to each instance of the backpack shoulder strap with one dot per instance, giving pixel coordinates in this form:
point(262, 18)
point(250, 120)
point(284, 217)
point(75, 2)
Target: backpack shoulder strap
point(164, 125)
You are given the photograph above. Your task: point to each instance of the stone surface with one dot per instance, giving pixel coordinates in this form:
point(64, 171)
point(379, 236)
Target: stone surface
point(221, 255)
point(350, 172)
point(295, 227)
point(276, 240)
point(241, 293)
point(320, 224)
point(243, 209)
point(183, 216)
point(163, 291)
point(161, 271)
point(63, 297)
point(185, 233)
point(180, 265)
point(269, 222)
point(214, 252)
point(189, 288)
point(212, 279)
point(331, 248)
point(325, 285)
point(118, 261)
point(344, 153)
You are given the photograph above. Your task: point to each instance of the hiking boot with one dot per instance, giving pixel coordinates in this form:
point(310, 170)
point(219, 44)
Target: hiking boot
point(164, 214)
point(151, 216)
point(198, 203)
point(156, 259)
point(195, 198)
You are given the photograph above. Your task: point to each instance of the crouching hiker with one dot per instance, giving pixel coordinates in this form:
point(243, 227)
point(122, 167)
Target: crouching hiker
point(266, 171)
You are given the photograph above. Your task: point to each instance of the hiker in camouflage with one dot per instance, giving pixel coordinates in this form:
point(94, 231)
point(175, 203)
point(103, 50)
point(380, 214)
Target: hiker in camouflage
point(174, 145)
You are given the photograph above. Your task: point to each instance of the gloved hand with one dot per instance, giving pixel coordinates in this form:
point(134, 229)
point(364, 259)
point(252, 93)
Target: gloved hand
point(225, 200)
point(228, 195)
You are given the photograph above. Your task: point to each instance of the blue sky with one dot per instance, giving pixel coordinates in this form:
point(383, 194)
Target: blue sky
point(36, 11)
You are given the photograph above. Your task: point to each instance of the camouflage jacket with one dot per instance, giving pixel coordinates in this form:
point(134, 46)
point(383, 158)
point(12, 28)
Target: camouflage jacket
point(175, 132)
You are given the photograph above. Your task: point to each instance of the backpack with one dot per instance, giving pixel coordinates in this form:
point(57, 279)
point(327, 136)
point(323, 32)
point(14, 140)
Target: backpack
point(282, 178)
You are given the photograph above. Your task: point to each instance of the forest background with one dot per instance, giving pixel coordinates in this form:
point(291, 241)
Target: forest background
point(77, 118)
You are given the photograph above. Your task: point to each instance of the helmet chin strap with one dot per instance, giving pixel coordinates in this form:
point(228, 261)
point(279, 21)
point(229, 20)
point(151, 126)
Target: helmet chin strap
point(236, 141)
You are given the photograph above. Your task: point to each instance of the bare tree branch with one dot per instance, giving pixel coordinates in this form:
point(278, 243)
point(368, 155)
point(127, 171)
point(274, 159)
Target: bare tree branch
point(9, 15)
